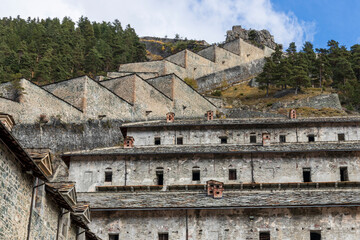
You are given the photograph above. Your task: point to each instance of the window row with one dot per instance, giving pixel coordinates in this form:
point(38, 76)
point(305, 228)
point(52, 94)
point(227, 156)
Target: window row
point(252, 139)
point(232, 175)
point(314, 235)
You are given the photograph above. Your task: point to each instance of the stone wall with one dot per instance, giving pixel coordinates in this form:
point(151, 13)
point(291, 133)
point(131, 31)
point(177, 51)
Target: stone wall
point(154, 66)
point(61, 136)
point(95, 99)
point(204, 135)
point(282, 224)
point(36, 101)
point(143, 75)
point(15, 192)
point(149, 102)
point(232, 75)
point(89, 171)
point(318, 102)
point(45, 216)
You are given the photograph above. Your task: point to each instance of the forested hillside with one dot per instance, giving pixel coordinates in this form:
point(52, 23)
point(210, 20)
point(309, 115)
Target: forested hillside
point(334, 67)
point(50, 50)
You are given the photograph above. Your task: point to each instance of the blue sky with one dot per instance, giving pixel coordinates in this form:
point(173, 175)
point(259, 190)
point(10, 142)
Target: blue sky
point(296, 21)
point(333, 19)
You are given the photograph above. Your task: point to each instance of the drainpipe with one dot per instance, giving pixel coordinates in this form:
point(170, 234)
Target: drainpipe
point(35, 185)
point(187, 228)
point(125, 175)
point(252, 168)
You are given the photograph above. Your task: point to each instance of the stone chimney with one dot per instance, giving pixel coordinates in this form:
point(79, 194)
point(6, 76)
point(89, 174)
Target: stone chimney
point(266, 139)
point(292, 114)
point(210, 115)
point(7, 120)
point(170, 117)
point(129, 142)
point(215, 188)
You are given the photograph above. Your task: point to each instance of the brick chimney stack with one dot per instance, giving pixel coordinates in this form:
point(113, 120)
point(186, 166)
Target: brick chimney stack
point(170, 117)
point(129, 142)
point(210, 115)
point(266, 139)
point(215, 188)
point(292, 114)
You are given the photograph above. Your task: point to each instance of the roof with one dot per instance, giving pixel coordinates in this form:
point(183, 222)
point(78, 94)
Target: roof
point(64, 193)
point(222, 149)
point(101, 201)
point(21, 155)
point(243, 123)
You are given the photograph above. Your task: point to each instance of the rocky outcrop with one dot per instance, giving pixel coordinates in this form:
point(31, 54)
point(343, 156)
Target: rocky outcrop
point(263, 37)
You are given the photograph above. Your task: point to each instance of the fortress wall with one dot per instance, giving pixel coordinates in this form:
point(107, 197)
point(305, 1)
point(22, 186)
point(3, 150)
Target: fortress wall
point(61, 136)
point(188, 102)
point(35, 102)
point(72, 91)
point(143, 75)
point(178, 58)
point(171, 68)
point(233, 46)
point(117, 74)
point(148, 98)
point(336, 223)
point(197, 66)
point(164, 84)
point(100, 101)
point(154, 66)
point(123, 87)
point(225, 59)
point(249, 52)
point(232, 75)
point(208, 53)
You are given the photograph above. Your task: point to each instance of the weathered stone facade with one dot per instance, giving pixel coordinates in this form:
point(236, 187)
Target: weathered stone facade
point(300, 183)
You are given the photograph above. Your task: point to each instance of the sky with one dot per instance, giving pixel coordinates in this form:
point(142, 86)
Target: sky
point(296, 21)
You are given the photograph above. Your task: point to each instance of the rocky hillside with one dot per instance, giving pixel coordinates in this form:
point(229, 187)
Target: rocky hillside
point(259, 38)
point(160, 48)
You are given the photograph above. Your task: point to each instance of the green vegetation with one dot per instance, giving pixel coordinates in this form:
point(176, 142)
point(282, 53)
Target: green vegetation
point(334, 67)
point(192, 82)
point(49, 50)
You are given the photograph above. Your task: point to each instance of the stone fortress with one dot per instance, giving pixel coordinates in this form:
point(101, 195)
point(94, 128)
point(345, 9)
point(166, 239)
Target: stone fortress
point(143, 155)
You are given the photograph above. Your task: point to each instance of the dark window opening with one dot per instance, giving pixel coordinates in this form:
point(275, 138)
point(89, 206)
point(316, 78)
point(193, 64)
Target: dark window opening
point(108, 176)
point(253, 139)
point(157, 141)
point(307, 174)
point(223, 140)
point(163, 236)
point(344, 174)
point(282, 138)
point(196, 175)
point(311, 138)
point(160, 177)
point(264, 236)
point(341, 137)
point(232, 174)
point(315, 236)
point(113, 236)
point(179, 141)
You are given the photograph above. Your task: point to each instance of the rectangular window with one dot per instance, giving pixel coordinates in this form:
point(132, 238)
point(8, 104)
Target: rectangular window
point(113, 236)
point(315, 235)
point(232, 174)
point(341, 137)
point(160, 177)
point(223, 140)
point(179, 141)
point(344, 174)
point(252, 138)
point(108, 176)
point(264, 236)
point(157, 140)
point(196, 175)
point(311, 138)
point(282, 138)
point(163, 236)
point(307, 174)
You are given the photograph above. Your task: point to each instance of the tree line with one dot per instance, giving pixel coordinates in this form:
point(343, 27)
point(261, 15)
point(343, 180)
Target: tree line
point(334, 66)
point(50, 50)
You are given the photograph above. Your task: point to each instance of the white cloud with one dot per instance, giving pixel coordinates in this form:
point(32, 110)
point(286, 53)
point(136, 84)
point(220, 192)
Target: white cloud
point(195, 19)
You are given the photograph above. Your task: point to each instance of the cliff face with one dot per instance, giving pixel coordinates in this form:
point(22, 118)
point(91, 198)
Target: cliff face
point(263, 37)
